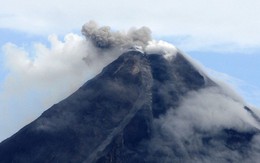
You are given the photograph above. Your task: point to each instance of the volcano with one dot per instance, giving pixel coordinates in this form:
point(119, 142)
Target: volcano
point(141, 108)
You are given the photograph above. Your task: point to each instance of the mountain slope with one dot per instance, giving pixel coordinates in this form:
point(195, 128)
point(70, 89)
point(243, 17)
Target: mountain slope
point(134, 111)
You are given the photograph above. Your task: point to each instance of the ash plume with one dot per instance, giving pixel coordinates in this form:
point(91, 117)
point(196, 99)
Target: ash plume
point(105, 38)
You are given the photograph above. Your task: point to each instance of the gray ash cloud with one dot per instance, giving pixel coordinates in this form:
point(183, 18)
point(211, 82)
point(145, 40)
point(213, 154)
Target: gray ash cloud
point(104, 37)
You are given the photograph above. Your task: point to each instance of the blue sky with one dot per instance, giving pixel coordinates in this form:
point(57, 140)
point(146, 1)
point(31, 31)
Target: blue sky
point(239, 69)
point(223, 35)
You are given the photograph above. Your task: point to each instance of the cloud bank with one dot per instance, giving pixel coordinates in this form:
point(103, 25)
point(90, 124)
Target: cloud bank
point(40, 77)
point(196, 131)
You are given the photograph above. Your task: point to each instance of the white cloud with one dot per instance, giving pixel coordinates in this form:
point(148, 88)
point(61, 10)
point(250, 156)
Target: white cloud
point(35, 82)
point(49, 65)
point(214, 108)
point(206, 23)
point(180, 133)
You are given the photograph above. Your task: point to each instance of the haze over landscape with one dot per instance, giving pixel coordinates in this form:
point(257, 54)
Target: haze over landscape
point(45, 58)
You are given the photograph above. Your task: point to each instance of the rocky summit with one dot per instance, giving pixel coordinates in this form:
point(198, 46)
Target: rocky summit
point(145, 109)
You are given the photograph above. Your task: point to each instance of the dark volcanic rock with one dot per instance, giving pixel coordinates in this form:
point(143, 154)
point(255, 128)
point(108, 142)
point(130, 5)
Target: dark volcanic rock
point(111, 118)
point(171, 80)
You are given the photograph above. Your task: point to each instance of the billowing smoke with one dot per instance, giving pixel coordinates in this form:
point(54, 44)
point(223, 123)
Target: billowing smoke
point(161, 47)
point(104, 37)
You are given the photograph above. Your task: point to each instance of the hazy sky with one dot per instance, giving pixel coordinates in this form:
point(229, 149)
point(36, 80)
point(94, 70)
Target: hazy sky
point(41, 41)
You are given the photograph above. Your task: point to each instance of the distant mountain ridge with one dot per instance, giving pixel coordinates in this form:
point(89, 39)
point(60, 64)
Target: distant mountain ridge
point(121, 115)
